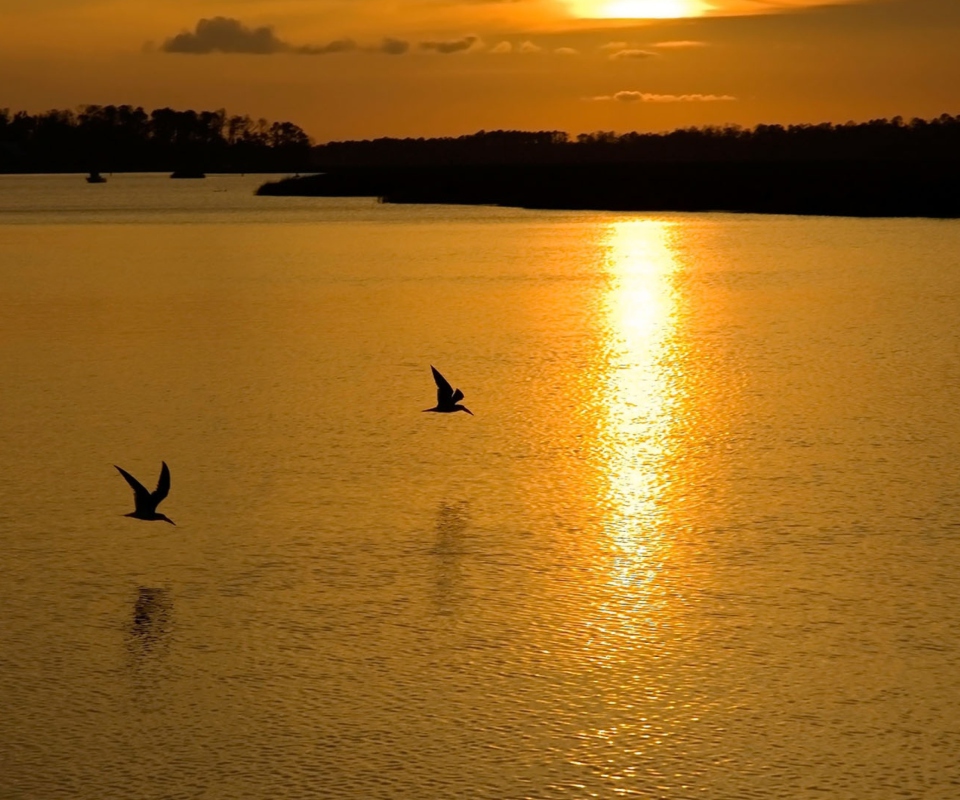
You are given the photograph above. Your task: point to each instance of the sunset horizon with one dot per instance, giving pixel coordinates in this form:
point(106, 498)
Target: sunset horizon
point(626, 98)
point(483, 399)
point(377, 69)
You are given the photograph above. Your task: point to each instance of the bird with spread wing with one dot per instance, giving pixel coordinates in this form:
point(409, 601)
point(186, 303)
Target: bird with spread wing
point(147, 502)
point(448, 398)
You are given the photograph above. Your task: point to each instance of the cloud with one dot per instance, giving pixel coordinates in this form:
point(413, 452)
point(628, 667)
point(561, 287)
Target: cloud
point(623, 50)
point(621, 55)
point(680, 44)
point(505, 47)
point(451, 46)
point(225, 35)
point(338, 46)
point(647, 97)
point(393, 47)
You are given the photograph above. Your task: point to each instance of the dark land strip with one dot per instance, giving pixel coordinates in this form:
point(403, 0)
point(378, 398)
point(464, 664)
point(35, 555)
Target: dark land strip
point(868, 188)
point(882, 167)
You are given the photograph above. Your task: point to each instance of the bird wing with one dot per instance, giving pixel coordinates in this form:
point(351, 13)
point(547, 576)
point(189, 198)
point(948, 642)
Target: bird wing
point(163, 485)
point(141, 497)
point(444, 389)
point(457, 396)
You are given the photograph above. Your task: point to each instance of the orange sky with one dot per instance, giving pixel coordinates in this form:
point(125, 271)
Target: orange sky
point(367, 68)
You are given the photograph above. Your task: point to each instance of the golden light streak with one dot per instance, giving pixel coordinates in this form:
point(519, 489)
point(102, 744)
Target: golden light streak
point(640, 398)
point(640, 395)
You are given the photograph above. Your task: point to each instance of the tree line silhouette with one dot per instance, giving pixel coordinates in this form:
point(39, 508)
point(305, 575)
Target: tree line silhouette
point(124, 138)
point(877, 140)
point(877, 168)
point(127, 139)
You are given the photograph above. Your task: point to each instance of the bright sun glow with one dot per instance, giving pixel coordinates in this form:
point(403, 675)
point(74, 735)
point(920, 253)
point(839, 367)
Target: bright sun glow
point(639, 9)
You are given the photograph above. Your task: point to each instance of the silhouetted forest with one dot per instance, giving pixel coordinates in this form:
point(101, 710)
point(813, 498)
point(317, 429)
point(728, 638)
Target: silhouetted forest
point(878, 168)
point(124, 138)
point(878, 140)
point(128, 139)
point(881, 167)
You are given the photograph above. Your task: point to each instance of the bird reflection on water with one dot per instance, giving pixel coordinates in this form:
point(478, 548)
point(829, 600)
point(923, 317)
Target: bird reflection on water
point(150, 624)
point(452, 521)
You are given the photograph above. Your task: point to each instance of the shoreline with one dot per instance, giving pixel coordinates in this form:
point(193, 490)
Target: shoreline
point(822, 188)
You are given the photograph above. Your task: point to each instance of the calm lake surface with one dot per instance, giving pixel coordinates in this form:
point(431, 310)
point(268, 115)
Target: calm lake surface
point(701, 539)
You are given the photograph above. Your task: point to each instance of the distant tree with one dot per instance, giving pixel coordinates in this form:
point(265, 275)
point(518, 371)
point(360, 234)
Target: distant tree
point(124, 137)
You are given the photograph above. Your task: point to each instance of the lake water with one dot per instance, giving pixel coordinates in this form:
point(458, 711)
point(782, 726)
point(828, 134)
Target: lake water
point(701, 538)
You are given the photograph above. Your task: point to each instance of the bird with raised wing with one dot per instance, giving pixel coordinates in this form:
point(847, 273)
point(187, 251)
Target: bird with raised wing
point(447, 397)
point(147, 502)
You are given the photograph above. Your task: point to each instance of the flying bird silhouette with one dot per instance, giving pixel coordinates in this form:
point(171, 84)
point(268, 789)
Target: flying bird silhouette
point(147, 502)
point(447, 396)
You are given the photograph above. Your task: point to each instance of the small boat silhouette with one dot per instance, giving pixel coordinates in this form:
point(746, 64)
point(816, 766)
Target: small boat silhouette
point(147, 502)
point(96, 177)
point(447, 397)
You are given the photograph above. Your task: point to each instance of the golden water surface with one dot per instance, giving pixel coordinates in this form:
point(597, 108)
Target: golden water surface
point(700, 538)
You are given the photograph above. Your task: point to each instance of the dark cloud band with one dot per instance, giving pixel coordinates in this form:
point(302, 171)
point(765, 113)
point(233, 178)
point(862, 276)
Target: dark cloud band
point(453, 46)
point(228, 35)
point(225, 35)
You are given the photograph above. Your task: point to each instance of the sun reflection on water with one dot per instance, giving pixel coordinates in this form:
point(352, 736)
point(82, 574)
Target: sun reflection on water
point(640, 396)
point(640, 399)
